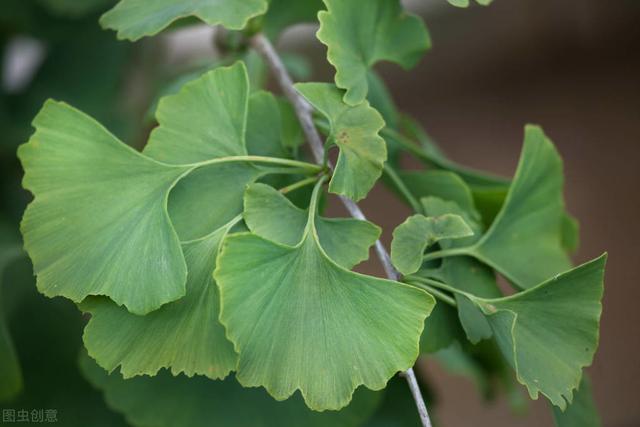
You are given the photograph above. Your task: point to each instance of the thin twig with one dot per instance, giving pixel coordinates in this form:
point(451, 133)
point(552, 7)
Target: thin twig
point(304, 112)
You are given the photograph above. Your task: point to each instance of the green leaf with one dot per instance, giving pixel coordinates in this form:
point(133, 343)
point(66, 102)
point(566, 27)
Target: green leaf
point(206, 119)
point(464, 273)
point(381, 99)
point(550, 332)
point(442, 184)
point(527, 231)
point(211, 117)
point(98, 224)
point(168, 401)
point(355, 131)
point(582, 412)
point(441, 329)
point(134, 19)
point(417, 233)
point(184, 335)
point(284, 13)
point(360, 33)
point(398, 407)
point(302, 322)
point(74, 8)
point(266, 128)
point(270, 215)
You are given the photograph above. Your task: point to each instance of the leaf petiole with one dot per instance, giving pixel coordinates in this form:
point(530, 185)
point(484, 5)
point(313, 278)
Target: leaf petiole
point(299, 184)
point(446, 253)
point(435, 292)
point(259, 159)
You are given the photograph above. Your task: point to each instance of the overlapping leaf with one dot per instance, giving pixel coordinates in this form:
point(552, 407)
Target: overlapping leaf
point(134, 19)
point(302, 322)
point(417, 233)
point(464, 272)
point(184, 336)
point(99, 222)
point(270, 215)
point(550, 332)
point(168, 401)
point(360, 33)
point(355, 131)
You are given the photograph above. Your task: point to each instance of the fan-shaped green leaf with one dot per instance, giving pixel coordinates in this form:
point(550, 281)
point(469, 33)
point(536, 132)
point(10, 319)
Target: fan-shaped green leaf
point(528, 229)
point(168, 401)
point(301, 322)
point(212, 117)
point(550, 332)
point(99, 223)
point(355, 131)
point(270, 215)
point(417, 233)
point(360, 33)
point(184, 335)
point(205, 120)
point(134, 19)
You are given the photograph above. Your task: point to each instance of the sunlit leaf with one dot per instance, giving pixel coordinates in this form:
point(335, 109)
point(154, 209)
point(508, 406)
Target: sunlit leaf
point(582, 412)
point(184, 336)
point(355, 131)
point(301, 322)
point(417, 233)
point(168, 401)
point(99, 222)
point(550, 332)
point(360, 33)
point(134, 19)
point(270, 215)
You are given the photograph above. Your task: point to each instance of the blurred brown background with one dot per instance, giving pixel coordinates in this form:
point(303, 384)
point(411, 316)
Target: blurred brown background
point(574, 68)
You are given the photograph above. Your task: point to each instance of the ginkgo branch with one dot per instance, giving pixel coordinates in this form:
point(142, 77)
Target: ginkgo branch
point(304, 113)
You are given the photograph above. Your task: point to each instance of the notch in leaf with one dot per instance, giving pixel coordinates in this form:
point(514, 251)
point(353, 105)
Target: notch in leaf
point(299, 321)
point(355, 130)
point(417, 233)
point(134, 19)
point(360, 33)
point(550, 332)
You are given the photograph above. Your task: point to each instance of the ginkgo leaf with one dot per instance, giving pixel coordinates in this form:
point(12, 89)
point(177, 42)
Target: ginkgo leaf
point(360, 33)
point(441, 329)
point(527, 231)
point(464, 272)
point(206, 119)
point(550, 332)
point(299, 321)
point(582, 412)
point(355, 131)
point(168, 401)
point(213, 117)
point(442, 184)
point(134, 19)
point(184, 336)
point(284, 13)
point(269, 214)
point(98, 224)
point(417, 233)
